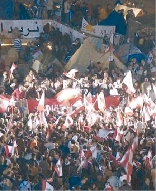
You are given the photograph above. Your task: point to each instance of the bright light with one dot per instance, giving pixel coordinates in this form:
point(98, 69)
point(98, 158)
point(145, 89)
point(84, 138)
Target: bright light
point(49, 47)
point(5, 44)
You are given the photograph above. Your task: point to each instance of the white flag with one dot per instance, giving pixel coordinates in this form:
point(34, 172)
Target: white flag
point(128, 82)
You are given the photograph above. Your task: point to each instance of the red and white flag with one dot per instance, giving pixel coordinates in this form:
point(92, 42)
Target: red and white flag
point(117, 134)
point(136, 102)
point(41, 103)
point(128, 82)
point(101, 102)
point(13, 67)
point(67, 94)
point(4, 103)
point(127, 163)
point(46, 186)
point(88, 103)
point(68, 122)
point(58, 168)
point(135, 143)
point(103, 133)
point(119, 117)
point(10, 149)
point(76, 107)
point(145, 114)
point(127, 159)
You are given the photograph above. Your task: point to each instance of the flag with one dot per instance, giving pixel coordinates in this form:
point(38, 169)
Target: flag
point(58, 168)
point(71, 73)
point(145, 114)
point(77, 107)
point(127, 159)
point(10, 149)
point(101, 101)
point(119, 118)
point(126, 162)
point(42, 118)
point(68, 122)
point(117, 134)
point(91, 118)
point(46, 186)
point(98, 139)
point(67, 94)
point(4, 103)
point(135, 143)
point(88, 103)
point(13, 67)
point(41, 103)
point(103, 133)
point(128, 82)
point(136, 102)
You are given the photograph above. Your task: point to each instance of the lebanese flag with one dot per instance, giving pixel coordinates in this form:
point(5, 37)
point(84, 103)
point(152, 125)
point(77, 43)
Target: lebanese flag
point(117, 134)
point(135, 143)
point(41, 103)
point(128, 82)
point(98, 139)
point(42, 119)
point(4, 103)
point(10, 149)
point(136, 102)
point(71, 73)
point(101, 135)
point(13, 67)
point(119, 117)
point(127, 159)
point(58, 168)
point(68, 122)
point(76, 108)
point(67, 94)
point(127, 163)
point(88, 103)
point(46, 186)
point(145, 114)
point(101, 101)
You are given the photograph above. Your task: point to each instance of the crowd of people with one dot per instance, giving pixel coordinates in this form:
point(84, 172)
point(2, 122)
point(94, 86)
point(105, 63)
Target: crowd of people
point(79, 143)
point(66, 149)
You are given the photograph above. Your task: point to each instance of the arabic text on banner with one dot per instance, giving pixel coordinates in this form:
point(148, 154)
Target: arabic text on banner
point(97, 30)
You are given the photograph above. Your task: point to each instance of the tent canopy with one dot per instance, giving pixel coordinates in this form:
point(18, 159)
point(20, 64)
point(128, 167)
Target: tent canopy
point(117, 20)
point(87, 53)
point(136, 11)
point(128, 51)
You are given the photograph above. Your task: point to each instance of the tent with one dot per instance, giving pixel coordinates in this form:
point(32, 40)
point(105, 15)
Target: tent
point(128, 51)
point(136, 11)
point(117, 20)
point(87, 53)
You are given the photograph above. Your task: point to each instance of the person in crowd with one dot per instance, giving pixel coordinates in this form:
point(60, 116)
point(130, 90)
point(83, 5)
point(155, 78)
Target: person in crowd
point(50, 7)
point(66, 11)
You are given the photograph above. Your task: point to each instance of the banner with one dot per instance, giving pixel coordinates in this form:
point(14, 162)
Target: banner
point(27, 28)
point(110, 101)
point(28, 106)
point(99, 31)
point(32, 28)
